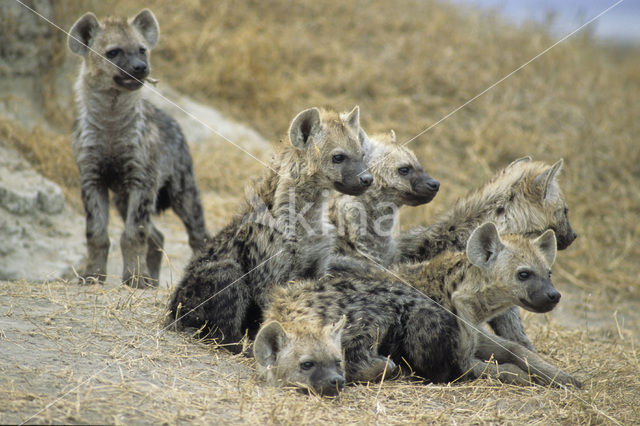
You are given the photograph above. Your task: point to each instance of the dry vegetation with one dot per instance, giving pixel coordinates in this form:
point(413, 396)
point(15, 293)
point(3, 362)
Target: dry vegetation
point(407, 64)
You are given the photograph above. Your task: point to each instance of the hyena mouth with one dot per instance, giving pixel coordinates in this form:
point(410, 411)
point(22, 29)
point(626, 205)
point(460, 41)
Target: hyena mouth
point(349, 189)
point(128, 82)
point(416, 199)
point(538, 309)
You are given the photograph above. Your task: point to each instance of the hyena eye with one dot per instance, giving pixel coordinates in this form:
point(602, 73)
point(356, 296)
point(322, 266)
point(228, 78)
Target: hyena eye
point(404, 170)
point(524, 275)
point(142, 50)
point(339, 363)
point(338, 158)
point(113, 53)
point(307, 365)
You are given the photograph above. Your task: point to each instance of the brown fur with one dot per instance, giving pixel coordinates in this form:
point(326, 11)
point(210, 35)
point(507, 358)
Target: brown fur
point(366, 225)
point(431, 327)
point(523, 198)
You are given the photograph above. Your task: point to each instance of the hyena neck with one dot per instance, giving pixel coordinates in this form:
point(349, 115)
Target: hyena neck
point(452, 230)
point(300, 204)
point(375, 215)
point(460, 287)
point(107, 108)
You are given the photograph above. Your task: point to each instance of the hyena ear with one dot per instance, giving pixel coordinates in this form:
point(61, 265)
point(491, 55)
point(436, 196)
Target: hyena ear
point(268, 343)
point(353, 118)
point(483, 245)
point(392, 136)
point(547, 182)
point(364, 139)
point(303, 127)
point(519, 160)
point(147, 25)
point(81, 34)
point(336, 329)
point(546, 243)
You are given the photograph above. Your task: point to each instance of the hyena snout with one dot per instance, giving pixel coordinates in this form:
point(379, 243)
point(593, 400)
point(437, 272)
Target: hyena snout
point(542, 299)
point(564, 240)
point(328, 382)
point(355, 179)
point(423, 189)
point(133, 74)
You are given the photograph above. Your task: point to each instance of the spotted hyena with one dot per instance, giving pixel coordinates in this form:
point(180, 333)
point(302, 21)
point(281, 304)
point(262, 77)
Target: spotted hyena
point(123, 143)
point(366, 224)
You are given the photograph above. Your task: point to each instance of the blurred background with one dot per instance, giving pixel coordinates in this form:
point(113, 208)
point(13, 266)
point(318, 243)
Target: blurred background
point(407, 63)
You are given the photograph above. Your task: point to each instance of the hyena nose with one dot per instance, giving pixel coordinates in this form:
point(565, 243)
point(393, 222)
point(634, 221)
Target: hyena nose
point(553, 296)
point(140, 68)
point(366, 179)
point(433, 185)
point(337, 382)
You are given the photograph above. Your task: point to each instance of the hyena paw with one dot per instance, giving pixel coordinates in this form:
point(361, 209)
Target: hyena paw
point(139, 280)
point(90, 279)
point(380, 367)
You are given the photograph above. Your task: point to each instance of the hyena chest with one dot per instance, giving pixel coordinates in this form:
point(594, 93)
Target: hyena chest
point(118, 159)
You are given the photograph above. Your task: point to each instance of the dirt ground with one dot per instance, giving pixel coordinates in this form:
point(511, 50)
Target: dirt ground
point(101, 354)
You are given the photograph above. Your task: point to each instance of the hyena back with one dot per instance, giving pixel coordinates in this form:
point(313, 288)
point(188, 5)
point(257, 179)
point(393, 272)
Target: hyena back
point(225, 286)
point(523, 198)
point(366, 224)
point(123, 143)
point(435, 334)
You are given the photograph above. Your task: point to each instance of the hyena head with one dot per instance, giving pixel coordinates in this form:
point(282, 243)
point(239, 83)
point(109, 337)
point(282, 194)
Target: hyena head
point(533, 201)
point(332, 145)
point(397, 172)
point(115, 51)
point(303, 355)
point(518, 267)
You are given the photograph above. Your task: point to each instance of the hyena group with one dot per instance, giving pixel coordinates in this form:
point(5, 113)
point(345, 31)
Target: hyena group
point(365, 326)
point(425, 313)
point(325, 307)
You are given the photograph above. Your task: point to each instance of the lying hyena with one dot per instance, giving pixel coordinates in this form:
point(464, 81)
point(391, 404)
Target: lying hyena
point(365, 225)
point(225, 286)
point(123, 143)
point(434, 333)
point(524, 198)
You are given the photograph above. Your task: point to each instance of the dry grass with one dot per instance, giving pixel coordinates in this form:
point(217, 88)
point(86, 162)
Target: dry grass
point(103, 350)
point(407, 64)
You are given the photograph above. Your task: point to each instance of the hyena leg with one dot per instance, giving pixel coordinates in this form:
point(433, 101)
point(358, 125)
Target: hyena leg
point(212, 297)
point(429, 346)
point(509, 354)
point(363, 364)
point(509, 326)
point(155, 246)
point(96, 205)
point(133, 241)
point(186, 203)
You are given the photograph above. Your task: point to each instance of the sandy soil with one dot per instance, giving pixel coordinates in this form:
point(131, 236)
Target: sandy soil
point(101, 354)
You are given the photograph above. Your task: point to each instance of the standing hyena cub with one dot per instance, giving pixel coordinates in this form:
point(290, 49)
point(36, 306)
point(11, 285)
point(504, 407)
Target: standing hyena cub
point(432, 328)
point(123, 143)
point(523, 198)
point(366, 224)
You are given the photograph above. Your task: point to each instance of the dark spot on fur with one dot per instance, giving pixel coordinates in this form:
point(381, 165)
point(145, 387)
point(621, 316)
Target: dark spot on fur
point(452, 228)
point(163, 201)
point(500, 210)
